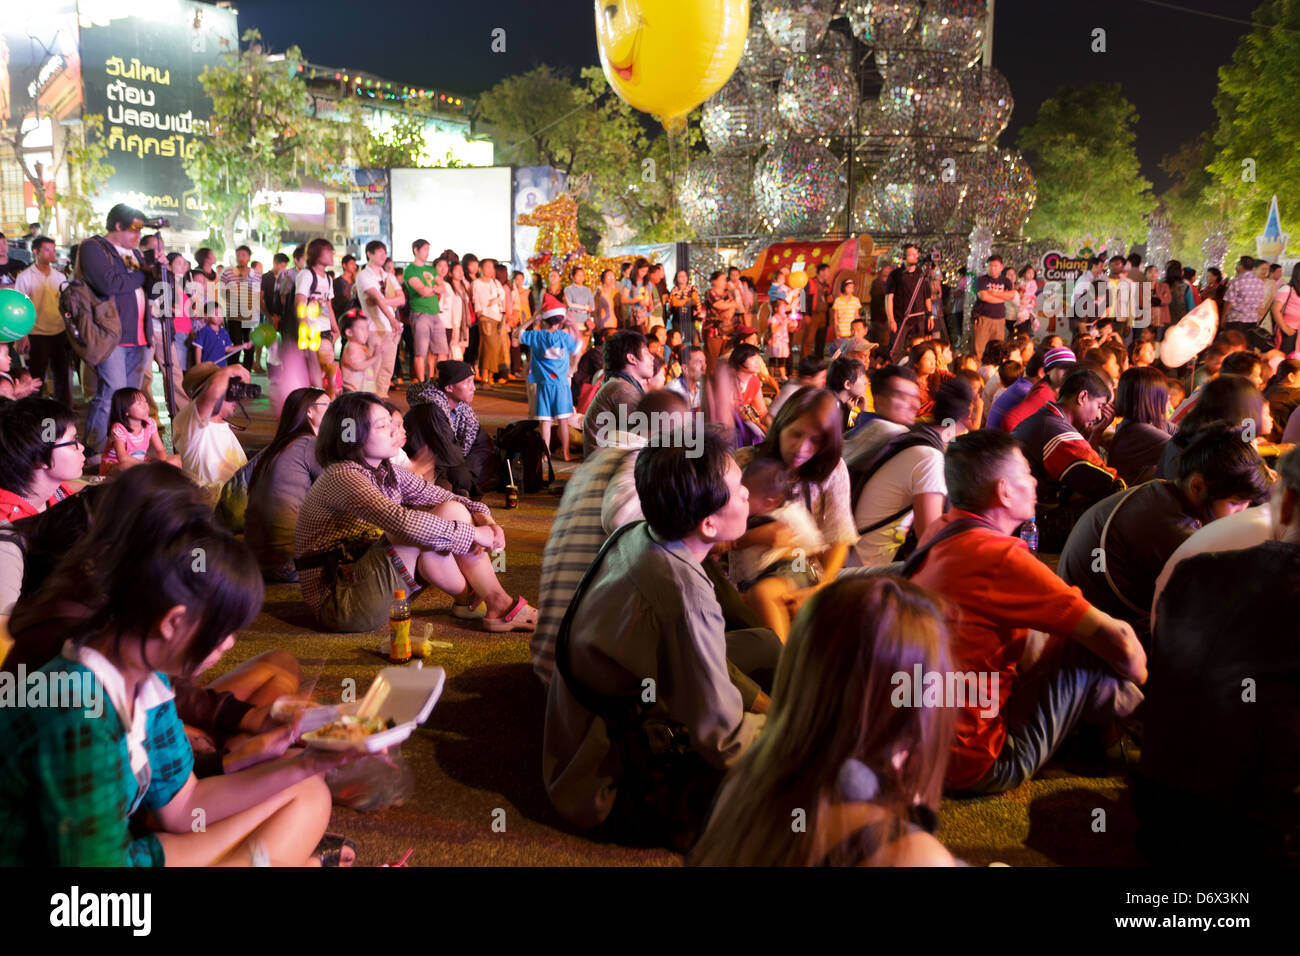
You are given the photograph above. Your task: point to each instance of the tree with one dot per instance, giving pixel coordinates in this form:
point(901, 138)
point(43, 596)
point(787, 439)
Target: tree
point(88, 173)
point(584, 128)
point(1189, 202)
point(265, 132)
point(401, 146)
point(1081, 148)
point(1254, 155)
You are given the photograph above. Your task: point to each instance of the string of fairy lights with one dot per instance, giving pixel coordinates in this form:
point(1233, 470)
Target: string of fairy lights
point(374, 88)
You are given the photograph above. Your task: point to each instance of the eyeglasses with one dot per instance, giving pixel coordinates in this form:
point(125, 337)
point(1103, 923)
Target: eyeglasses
point(65, 444)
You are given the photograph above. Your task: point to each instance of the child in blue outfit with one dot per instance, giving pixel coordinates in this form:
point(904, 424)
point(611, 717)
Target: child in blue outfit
point(212, 343)
point(550, 397)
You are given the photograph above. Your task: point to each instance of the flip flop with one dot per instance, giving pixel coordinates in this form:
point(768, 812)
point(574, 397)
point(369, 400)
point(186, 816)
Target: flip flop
point(521, 617)
point(470, 612)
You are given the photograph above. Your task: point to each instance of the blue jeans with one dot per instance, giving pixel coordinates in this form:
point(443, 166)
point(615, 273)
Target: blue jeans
point(124, 368)
point(1046, 704)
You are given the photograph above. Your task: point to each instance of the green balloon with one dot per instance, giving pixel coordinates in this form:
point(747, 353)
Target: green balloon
point(17, 315)
point(263, 336)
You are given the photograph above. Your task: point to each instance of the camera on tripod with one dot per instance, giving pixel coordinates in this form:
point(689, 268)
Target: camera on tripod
point(237, 391)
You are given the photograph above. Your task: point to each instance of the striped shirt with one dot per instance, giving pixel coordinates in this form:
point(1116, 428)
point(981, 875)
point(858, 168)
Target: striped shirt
point(577, 533)
point(240, 294)
point(845, 309)
point(351, 502)
point(1060, 457)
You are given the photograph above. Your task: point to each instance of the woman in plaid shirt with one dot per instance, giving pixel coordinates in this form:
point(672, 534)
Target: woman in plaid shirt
point(78, 765)
point(368, 528)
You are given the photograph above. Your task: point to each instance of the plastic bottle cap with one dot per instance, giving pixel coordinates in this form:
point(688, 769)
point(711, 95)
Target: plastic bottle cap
point(400, 595)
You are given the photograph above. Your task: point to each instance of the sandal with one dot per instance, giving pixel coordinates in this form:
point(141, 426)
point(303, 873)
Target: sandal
point(470, 612)
point(521, 617)
point(332, 849)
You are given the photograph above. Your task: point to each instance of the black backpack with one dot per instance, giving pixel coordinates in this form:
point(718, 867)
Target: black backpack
point(862, 471)
point(520, 447)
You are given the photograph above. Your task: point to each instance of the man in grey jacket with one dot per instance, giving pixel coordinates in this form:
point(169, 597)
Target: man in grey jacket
point(647, 640)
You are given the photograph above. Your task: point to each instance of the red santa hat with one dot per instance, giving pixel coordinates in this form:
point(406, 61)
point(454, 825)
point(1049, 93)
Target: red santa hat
point(552, 308)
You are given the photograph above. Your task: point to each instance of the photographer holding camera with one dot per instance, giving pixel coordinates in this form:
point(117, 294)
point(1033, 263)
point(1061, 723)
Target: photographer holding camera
point(210, 452)
point(113, 268)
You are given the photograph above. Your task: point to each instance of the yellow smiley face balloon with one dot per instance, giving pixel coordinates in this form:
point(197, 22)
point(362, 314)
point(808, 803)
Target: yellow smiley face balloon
point(666, 57)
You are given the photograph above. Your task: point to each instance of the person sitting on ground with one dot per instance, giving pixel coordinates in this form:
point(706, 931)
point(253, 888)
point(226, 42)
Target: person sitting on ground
point(368, 529)
point(628, 366)
point(444, 441)
point(690, 384)
point(281, 478)
point(900, 492)
point(1121, 544)
point(40, 456)
point(1228, 398)
point(1059, 441)
point(1238, 362)
point(551, 349)
point(1283, 394)
point(1219, 728)
point(809, 373)
point(855, 341)
point(210, 452)
point(10, 387)
point(746, 362)
point(53, 555)
point(1057, 364)
point(132, 434)
point(867, 774)
point(601, 497)
point(73, 777)
point(846, 379)
point(646, 611)
point(897, 400)
point(1142, 404)
point(766, 574)
point(999, 591)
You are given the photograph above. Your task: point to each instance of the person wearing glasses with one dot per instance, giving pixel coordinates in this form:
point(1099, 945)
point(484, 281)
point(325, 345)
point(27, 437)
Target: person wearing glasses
point(37, 462)
point(111, 266)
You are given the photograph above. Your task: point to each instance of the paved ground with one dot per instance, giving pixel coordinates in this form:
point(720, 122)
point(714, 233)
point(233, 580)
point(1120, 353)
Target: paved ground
point(478, 798)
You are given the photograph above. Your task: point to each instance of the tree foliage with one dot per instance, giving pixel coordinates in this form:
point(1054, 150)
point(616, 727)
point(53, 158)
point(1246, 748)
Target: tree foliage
point(401, 146)
point(265, 132)
point(88, 174)
point(1081, 148)
point(1254, 154)
point(584, 128)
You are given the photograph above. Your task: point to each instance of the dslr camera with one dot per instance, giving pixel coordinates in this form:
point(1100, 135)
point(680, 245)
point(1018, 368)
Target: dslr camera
point(237, 391)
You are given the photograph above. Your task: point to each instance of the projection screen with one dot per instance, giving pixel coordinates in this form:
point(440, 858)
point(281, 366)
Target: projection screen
point(467, 210)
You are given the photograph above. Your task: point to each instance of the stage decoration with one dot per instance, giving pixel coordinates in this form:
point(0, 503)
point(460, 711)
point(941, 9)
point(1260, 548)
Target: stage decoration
point(997, 188)
point(704, 262)
point(761, 60)
point(797, 26)
point(740, 117)
point(557, 242)
point(915, 192)
point(818, 93)
point(883, 24)
point(666, 57)
point(798, 187)
point(1215, 247)
point(1159, 242)
point(1272, 244)
point(981, 247)
point(986, 104)
point(954, 29)
point(716, 196)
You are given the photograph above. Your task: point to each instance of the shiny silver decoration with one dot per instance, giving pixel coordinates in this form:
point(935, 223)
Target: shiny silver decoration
point(917, 189)
point(799, 187)
point(883, 24)
point(818, 94)
point(1160, 240)
point(998, 189)
point(954, 29)
point(740, 117)
point(716, 198)
point(797, 26)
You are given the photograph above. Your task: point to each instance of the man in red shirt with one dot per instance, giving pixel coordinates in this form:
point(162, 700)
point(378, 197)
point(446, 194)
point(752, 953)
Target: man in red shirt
point(999, 592)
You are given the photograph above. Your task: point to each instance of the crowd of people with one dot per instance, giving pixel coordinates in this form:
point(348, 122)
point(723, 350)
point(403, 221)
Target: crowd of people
point(789, 599)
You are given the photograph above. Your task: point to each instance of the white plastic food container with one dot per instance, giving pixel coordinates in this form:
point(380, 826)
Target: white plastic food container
point(405, 695)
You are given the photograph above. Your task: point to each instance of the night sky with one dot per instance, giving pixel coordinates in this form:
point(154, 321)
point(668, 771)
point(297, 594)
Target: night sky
point(1166, 59)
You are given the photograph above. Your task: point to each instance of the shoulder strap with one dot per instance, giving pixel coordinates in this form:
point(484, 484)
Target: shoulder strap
point(612, 709)
point(860, 477)
point(913, 564)
point(1105, 566)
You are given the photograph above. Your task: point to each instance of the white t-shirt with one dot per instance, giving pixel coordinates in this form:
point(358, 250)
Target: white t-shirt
point(11, 573)
point(913, 471)
point(1245, 529)
point(371, 279)
point(323, 294)
point(210, 452)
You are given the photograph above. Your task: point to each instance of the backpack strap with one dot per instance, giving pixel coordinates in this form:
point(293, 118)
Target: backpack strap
point(956, 527)
point(1105, 566)
point(859, 478)
point(611, 709)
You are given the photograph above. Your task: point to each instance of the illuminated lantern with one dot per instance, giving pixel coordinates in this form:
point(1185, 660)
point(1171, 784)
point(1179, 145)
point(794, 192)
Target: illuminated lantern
point(666, 57)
